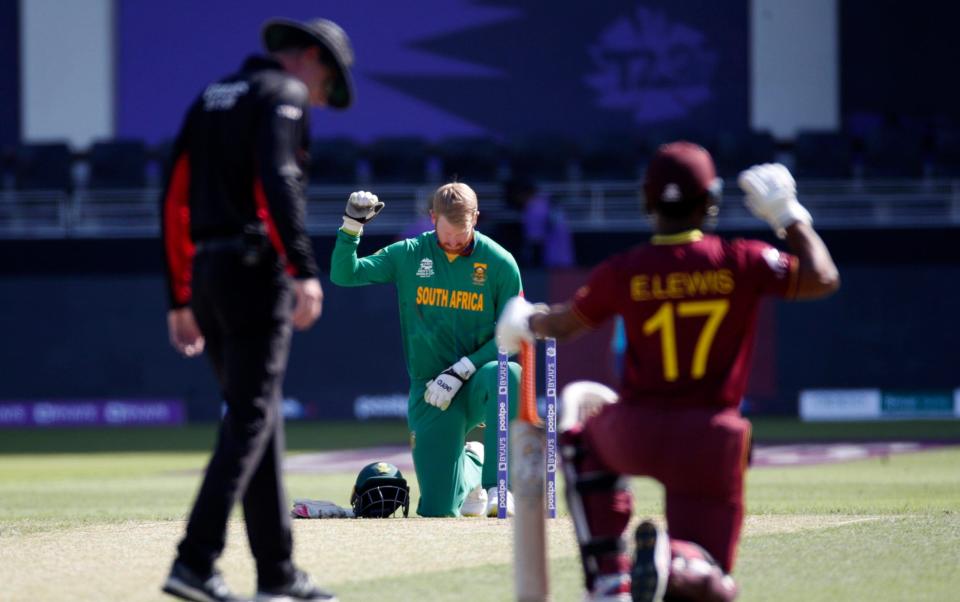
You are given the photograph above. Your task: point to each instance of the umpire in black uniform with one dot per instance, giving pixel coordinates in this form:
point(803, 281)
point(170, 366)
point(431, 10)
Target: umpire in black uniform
point(241, 276)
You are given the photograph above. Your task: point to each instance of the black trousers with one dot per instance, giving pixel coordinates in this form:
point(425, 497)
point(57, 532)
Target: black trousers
point(244, 312)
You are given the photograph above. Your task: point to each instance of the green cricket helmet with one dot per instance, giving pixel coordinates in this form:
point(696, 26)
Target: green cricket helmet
point(380, 491)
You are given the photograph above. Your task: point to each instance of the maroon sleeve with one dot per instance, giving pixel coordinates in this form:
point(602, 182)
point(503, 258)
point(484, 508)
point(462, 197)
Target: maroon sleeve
point(596, 301)
point(768, 269)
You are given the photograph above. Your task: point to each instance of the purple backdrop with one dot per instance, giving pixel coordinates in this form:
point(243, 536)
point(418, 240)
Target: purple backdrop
point(461, 67)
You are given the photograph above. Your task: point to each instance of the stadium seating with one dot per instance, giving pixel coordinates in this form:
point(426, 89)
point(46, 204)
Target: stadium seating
point(117, 164)
point(734, 152)
point(162, 152)
point(470, 159)
point(45, 166)
point(398, 159)
point(543, 157)
point(614, 156)
point(946, 153)
point(894, 152)
point(823, 154)
point(333, 161)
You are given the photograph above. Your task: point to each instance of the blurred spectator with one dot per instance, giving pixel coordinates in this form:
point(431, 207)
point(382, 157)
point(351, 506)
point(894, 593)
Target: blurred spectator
point(546, 239)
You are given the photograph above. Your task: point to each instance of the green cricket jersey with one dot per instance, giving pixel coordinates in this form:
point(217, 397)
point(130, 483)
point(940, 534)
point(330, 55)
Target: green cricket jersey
point(448, 308)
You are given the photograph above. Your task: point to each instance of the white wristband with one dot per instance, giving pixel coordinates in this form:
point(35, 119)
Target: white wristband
point(352, 226)
point(464, 368)
point(792, 213)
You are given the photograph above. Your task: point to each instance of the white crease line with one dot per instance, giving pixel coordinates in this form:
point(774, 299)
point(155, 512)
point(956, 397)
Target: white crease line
point(857, 520)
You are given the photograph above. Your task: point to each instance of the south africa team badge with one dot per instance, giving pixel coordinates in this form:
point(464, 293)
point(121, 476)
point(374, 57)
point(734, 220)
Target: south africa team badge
point(479, 273)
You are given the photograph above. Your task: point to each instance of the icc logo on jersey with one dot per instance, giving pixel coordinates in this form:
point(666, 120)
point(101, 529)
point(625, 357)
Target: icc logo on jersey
point(479, 273)
point(426, 268)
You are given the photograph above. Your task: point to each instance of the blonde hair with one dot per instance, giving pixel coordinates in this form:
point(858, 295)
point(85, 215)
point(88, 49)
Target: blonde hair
point(455, 201)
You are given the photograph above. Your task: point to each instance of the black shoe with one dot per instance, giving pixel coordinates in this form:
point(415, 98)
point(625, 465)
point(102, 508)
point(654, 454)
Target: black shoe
point(187, 585)
point(301, 588)
point(651, 566)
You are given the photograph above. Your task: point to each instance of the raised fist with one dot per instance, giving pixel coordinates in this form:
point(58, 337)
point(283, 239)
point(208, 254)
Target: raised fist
point(362, 206)
point(772, 196)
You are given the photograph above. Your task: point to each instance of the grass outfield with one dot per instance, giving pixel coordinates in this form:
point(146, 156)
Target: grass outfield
point(103, 526)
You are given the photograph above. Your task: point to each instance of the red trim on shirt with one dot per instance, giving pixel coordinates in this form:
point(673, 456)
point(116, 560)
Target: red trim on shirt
point(263, 214)
point(176, 218)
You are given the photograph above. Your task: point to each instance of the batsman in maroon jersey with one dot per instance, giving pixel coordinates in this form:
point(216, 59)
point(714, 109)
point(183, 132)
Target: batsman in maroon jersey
point(689, 304)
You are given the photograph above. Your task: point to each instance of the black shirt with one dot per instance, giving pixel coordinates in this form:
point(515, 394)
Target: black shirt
point(239, 165)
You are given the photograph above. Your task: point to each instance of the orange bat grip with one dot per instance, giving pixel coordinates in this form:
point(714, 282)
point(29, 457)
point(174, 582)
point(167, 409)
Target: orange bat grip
point(527, 412)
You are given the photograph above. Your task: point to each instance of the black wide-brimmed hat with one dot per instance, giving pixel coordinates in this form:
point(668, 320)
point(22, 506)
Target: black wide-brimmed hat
point(279, 34)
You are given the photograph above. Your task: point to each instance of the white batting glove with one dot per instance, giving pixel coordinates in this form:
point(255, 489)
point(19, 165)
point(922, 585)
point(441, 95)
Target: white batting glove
point(441, 390)
point(513, 327)
point(772, 196)
point(362, 206)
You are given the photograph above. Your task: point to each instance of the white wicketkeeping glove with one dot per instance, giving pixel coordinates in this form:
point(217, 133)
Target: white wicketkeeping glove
point(772, 196)
point(362, 206)
point(441, 390)
point(513, 327)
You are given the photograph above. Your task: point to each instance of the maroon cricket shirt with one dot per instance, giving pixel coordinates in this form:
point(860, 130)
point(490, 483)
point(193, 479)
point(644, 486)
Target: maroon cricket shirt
point(689, 303)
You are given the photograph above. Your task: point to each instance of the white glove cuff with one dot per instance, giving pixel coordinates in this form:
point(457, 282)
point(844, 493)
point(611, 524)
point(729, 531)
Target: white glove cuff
point(464, 368)
point(352, 226)
point(791, 213)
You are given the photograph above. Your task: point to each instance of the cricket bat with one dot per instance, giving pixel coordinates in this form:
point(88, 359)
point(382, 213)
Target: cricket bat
point(527, 478)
